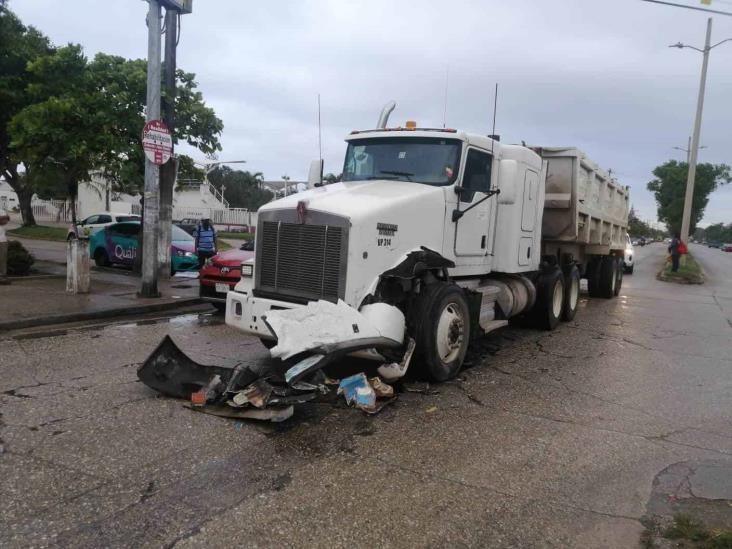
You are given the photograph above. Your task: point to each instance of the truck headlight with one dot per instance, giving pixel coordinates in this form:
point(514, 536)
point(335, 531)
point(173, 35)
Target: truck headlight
point(247, 269)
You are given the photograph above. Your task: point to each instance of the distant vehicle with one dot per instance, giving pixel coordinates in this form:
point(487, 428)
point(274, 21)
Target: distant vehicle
point(727, 248)
point(642, 241)
point(628, 259)
point(117, 244)
point(188, 224)
point(714, 244)
point(222, 272)
point(93, 223)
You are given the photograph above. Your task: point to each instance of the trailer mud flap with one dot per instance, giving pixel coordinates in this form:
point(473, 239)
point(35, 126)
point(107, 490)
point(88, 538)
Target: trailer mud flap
point(171, 372)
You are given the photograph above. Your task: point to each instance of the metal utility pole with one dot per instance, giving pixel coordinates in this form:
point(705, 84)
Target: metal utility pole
point(688, 199)
point(169, 170)
point(149, 287)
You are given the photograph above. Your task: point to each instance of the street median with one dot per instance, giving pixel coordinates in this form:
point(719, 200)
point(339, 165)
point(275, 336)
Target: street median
point(690, 271)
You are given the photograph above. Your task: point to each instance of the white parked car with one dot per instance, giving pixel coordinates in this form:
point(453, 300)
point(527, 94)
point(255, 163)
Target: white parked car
point(95, 222)
point(628, 259)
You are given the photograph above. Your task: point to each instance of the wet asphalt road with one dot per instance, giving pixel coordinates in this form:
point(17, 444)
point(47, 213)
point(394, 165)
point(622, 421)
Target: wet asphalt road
point(547, 440)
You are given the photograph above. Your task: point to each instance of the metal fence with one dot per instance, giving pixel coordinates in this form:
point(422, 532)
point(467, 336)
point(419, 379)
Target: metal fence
point(231, 218)
point(57, 211)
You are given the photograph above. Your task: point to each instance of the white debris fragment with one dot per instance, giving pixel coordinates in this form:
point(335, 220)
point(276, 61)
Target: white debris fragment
point(324, 323)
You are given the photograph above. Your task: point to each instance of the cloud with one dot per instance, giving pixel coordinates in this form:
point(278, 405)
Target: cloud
point(597, 75)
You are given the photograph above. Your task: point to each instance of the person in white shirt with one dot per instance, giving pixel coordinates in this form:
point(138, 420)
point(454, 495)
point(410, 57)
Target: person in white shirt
point(3, 247)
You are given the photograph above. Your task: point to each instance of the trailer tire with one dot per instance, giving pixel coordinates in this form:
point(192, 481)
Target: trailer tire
point(571, 292)
point(440, 319)
point(621, 271)
point(592, 274)
point(608, 277)
point(549, 300)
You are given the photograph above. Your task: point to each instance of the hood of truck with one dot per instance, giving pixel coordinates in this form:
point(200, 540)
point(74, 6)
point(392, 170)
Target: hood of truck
point(387, 220)
point(361, 199)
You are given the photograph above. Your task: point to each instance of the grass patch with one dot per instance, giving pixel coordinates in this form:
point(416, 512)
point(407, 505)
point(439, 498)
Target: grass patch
point(41, 232)
point(234, 235)
point(689, 529)
point(688, 273)
point(222, 246)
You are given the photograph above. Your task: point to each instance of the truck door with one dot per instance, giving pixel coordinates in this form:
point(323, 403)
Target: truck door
point(472, 229)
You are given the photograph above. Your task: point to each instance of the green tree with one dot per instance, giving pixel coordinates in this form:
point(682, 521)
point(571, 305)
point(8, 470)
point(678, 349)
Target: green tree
point(19, 45)
point(669, 188)
point(719, 232)
point(332, 178)
point(79, 116)
point(243, 189)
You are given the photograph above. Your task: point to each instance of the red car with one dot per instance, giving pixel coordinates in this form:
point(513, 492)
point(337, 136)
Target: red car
point(727, 248)
point(221, 273)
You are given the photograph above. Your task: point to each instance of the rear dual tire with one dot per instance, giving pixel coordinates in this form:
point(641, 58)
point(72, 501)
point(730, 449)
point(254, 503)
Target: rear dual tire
point(604, 276)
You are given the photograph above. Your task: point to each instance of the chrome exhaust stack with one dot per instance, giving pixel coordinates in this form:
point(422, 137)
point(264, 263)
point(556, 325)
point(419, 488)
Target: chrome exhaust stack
point(384, 116)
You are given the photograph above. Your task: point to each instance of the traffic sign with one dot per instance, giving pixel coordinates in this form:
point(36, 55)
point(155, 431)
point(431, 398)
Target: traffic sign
point(157, 142)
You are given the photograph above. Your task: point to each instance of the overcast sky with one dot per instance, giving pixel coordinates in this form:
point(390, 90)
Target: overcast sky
point(596, 74)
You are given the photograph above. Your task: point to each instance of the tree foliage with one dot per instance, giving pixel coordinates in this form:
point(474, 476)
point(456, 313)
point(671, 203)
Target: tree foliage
point(243, 189)
point(19, 45)
point(77, 115)
point(669, 188)
point(719, 232)
point(638, 227)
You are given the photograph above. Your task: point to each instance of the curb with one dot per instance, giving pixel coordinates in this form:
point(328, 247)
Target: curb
point(25, 237)
point(49, 320)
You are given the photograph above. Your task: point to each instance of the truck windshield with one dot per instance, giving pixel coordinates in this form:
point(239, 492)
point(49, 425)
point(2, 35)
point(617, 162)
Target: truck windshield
point(429, 160)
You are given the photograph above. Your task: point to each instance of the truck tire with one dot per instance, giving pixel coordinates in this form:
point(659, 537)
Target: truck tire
point(549, 300)
point(629, 270)
point(608, 277)
point(621, 269)
point(441, 328)
point(593, 276)
point(571, 292)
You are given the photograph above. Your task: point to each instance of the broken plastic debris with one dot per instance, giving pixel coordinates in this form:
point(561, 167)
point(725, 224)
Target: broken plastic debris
point(325, 324)
point(358, 392)
point(273, 414)
point(394, 371)
point(302, 368)
point(258, 393)
point(381, 389)
point(431, 409)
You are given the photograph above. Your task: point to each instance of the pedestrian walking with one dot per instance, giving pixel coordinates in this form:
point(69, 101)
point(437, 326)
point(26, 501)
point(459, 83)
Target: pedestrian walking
point(205, 236)
point(674, 250)
point(4, 218)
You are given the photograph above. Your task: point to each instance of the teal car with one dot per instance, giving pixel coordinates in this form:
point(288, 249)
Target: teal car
point(116, 244)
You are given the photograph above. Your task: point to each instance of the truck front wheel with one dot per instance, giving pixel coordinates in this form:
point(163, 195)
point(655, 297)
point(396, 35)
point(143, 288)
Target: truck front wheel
point(441, 327)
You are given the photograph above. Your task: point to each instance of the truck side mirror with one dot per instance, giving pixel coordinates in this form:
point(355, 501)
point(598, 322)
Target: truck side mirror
point(507, 174)
point(315, 175)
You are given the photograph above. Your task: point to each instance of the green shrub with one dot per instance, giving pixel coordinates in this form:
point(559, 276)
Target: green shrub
point(19, 259)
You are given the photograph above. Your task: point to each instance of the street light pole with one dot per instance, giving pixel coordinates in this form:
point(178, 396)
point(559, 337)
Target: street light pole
point(688, 199)
point(149, 287)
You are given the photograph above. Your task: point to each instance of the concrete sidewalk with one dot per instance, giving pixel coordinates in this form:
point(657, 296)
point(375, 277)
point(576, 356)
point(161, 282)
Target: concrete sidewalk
point(41, 299)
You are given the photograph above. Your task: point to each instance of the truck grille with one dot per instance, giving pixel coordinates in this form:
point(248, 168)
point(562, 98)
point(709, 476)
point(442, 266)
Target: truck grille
point(301, 261)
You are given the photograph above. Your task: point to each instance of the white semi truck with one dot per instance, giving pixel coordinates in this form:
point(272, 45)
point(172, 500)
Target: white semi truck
point(457, 233)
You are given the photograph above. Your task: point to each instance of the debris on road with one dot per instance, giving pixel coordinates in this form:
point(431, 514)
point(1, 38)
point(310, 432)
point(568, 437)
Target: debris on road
point(322, 327)
point(394, 371)
point(322, 332)
point(275, 415)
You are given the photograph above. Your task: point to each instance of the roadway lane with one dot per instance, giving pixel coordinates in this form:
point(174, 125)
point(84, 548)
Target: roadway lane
point(547, 439)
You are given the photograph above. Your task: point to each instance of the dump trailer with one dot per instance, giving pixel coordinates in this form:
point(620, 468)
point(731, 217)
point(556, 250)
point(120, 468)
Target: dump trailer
point(450, 234)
